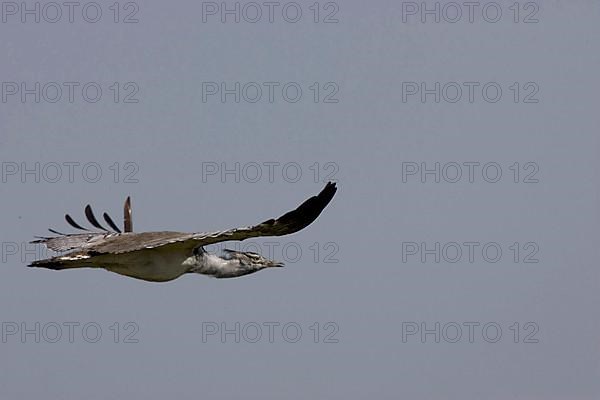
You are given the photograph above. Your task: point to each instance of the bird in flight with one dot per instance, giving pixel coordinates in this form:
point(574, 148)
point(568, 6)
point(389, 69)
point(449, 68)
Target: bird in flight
point(164, 256)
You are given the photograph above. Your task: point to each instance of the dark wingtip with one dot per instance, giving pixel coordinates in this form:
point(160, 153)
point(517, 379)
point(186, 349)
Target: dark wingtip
point(74, 224)
point(328, 192)
point(92, 218)
point(110, 222)
point(308, 211)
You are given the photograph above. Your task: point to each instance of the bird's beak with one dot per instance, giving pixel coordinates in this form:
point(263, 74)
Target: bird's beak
point(276, 264)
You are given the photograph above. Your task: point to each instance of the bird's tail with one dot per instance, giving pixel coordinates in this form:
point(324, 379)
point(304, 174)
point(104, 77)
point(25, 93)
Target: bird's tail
point(57, 263)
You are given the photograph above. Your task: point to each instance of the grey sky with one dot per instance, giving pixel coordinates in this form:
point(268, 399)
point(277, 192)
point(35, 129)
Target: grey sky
point(359, 120)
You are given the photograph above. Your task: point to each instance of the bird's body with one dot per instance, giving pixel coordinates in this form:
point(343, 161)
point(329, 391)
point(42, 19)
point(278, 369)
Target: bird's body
point(156, 265)
point(160, 265)
point(164, 256)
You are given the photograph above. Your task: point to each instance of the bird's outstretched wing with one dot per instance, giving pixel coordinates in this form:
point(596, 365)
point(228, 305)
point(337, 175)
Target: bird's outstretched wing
point(81, 241)
point(288, 223)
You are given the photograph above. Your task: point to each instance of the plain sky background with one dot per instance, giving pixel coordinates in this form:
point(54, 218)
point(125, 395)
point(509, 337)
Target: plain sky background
point(367, 135)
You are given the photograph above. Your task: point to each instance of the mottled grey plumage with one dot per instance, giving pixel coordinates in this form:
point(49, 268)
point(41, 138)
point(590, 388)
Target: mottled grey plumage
point(163, 256)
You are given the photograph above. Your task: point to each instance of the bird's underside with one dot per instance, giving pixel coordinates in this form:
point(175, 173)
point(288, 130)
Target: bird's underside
point(163, 256)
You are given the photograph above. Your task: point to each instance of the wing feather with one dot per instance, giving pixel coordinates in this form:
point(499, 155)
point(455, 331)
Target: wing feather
point(74, 224)
point(78, 241)
point(92, 218)
point(127, 220)
point(110, 222)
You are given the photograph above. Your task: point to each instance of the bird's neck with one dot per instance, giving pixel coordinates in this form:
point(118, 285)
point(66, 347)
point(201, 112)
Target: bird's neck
point(213, 265)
